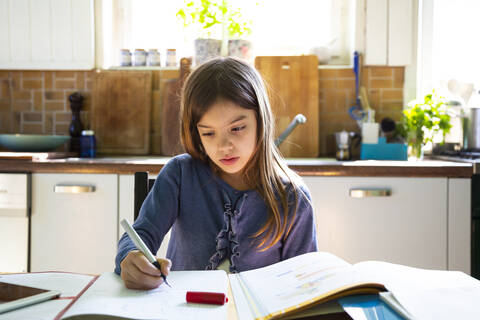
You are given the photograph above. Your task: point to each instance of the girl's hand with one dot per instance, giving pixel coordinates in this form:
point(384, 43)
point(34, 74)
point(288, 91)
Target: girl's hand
point(138, 273)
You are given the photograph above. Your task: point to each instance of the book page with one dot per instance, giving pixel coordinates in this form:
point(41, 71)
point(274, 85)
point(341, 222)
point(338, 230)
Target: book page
point(109, 296)
point(298, 281)
point(428, 294)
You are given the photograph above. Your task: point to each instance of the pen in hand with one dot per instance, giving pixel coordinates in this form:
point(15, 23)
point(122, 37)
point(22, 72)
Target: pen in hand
point(142, 247)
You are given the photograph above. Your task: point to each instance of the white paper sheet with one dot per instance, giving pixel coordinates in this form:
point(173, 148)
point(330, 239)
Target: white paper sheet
point(109, 296)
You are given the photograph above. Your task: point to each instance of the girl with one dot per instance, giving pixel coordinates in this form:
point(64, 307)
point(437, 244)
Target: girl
point(231, 201)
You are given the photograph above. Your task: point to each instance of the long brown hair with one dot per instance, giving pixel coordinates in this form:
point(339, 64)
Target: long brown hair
point(236, 81)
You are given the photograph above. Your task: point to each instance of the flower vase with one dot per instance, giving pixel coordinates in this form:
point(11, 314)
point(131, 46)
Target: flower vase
point(206, 49)
point(415, 151)
point(240, 48)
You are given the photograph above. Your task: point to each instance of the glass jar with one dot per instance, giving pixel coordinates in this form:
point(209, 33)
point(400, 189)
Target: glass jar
point(125, 58)
point(140, 57)
point(88, 144)
point(171, 59)
point(153, 58)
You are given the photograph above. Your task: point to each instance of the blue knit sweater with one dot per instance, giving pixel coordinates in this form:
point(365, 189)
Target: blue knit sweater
point(212, 221)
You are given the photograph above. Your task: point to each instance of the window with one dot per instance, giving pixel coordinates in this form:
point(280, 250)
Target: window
point(279, 27)
point(449, 46)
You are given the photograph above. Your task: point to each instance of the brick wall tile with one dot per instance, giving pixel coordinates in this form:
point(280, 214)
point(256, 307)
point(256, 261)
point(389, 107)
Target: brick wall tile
point(64, 84)
point(32, 128)
point(5, 88)
point(61, 128)
point(63, 117)
point(392, 105)
point(4, 74)
point(21, 105)
point(392, 94)
point(32, 84)
point(32, 116)
point(65, 74)
point(54, 95)
point(54, 106)
point(381, 83)
point(380, 72)
point(32, 74)
point(4, 105)
point(22, 95)
point(48, 79)
point(345, 73)
point(80, 79)
point(328, 73)
point(346, 84)
point(16, 78)
point(327, 84)
point(48, 122)
point(17, 122)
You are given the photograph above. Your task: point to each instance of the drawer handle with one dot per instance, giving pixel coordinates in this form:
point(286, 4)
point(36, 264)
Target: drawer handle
point(73, 189)
point(365, 193)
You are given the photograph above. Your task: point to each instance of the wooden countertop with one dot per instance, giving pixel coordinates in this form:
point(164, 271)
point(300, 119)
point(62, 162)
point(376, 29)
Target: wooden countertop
point(305, 167)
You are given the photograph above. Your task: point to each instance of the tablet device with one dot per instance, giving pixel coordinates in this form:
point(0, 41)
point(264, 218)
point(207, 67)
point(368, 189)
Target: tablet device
point(14, 296)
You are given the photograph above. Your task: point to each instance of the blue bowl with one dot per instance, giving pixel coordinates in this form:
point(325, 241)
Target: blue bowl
point(32, 142)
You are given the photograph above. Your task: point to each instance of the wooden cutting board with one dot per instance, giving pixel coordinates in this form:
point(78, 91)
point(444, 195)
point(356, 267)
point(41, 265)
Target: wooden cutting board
point(292, 82)
point(121, 111)
point(171, 142)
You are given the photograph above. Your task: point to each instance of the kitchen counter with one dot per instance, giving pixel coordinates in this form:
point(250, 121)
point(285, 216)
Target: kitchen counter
point(305, 167)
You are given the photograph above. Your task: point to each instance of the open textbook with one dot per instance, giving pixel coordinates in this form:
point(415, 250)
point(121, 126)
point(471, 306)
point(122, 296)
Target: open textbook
point(292, 286)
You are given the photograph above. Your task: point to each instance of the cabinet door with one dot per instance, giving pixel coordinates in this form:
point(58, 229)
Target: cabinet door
point(74, 222)
point(46, 34)
point(388, 32)
point(408, 227)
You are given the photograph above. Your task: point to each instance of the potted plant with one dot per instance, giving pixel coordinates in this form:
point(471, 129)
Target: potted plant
point(422, 120)
point(212, 20)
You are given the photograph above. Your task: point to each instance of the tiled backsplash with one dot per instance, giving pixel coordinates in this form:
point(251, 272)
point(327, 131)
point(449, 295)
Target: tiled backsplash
point(37, 101)
point(337, 94)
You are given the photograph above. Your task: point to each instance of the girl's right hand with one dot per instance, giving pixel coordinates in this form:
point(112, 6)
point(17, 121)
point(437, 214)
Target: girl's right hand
point(138, 273)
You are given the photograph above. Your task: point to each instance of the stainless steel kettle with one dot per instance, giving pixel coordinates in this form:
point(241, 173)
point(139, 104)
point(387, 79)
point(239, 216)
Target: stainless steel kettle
point(471, 128)
point(471, 123)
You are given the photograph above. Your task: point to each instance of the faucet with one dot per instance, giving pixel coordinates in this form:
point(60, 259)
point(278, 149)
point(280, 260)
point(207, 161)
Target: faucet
point(299, 118)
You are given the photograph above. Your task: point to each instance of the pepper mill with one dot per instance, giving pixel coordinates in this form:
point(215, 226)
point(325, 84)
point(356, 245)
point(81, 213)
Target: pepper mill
point(76, 126)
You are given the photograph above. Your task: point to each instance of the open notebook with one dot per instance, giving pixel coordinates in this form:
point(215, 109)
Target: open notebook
point(104, 297)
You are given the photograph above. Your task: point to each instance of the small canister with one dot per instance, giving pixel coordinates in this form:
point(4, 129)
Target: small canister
point(153, 58)
point(125, 57)
point(88, 144)
point(140, 57)
point(171, 60)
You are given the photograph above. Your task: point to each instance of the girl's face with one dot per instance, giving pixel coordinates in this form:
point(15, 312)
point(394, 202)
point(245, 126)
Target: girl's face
point(229, 135)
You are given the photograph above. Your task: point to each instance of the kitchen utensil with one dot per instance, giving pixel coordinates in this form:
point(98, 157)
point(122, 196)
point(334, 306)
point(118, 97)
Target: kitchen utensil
point(171, 144)
point(32, 142)
point(121, 111)
point(344, 141)
point(293, 87)
point(356, 111)
point(299, 118)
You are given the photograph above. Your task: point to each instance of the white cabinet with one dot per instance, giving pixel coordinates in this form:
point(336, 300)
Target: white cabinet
point(410, 226)
point(389, 32)
point(74, 222)
point(46, 34)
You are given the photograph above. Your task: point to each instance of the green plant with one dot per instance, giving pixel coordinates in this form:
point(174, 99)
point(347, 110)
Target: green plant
point(423, 119)
point(214, 18)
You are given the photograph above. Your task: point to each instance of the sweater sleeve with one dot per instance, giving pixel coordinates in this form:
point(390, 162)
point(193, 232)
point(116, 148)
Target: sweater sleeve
point(157, 214)
point(302, 236)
